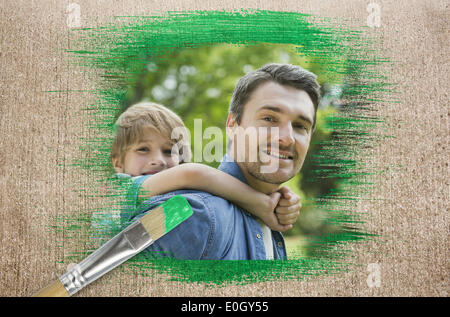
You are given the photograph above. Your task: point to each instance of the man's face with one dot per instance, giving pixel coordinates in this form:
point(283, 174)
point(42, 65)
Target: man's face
point(150, 155)
point(286, 110)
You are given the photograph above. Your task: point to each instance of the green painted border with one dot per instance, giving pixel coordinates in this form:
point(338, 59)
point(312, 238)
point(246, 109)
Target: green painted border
point(112, 55)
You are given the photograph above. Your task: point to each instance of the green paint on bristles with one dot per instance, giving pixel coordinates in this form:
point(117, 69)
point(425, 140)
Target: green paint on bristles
point(176, 210)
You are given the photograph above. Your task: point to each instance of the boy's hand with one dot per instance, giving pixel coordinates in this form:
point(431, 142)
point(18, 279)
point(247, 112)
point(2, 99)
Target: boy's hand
point(279, 210)
point(264, 208)
point(288, 208)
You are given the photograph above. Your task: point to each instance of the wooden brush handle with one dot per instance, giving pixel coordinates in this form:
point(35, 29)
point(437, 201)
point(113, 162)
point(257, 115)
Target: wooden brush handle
point(55, 289)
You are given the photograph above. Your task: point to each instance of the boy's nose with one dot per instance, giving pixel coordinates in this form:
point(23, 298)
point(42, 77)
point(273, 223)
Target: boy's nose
point(157, 160)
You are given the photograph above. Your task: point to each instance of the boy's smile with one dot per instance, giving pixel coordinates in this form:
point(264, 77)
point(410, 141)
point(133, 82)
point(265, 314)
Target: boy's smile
point(150, 155)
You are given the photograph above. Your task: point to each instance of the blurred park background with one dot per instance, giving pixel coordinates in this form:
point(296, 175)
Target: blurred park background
point(197, 83)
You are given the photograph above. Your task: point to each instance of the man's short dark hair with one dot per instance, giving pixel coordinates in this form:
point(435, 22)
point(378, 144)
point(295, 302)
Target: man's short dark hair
point(283, 74)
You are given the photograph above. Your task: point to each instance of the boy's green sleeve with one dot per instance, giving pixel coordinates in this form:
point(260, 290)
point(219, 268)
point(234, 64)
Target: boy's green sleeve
point(131, 203)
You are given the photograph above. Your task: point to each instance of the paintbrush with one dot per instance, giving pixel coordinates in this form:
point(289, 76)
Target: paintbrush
point(132, 240)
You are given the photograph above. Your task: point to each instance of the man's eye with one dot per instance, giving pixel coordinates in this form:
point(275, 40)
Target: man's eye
point(299, 127)
point(268, 119)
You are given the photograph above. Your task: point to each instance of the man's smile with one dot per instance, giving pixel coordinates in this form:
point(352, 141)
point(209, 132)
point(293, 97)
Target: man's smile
point(282, 156)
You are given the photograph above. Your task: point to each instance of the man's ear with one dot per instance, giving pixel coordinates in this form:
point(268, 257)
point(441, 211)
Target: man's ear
point(230, 130)
point(231, 124)
point(117, 165)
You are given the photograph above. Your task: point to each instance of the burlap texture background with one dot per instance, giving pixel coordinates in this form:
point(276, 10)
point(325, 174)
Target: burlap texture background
point(40, 131)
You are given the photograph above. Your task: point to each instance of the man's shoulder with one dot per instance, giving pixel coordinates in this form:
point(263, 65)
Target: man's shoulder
point(194, 238)
point(206, 207)
point(196, 197)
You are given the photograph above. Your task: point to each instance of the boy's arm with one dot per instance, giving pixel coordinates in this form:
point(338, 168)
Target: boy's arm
point(205, 178)
point(169, 180)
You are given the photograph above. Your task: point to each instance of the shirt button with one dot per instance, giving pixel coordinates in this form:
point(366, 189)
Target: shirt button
point(258, 236)
point(280, 244)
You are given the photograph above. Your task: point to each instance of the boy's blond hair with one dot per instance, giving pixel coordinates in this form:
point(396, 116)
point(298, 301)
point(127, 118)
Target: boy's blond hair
point(132, 123)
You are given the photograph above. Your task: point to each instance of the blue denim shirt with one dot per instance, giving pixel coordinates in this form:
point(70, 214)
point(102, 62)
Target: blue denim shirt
point(217, 230)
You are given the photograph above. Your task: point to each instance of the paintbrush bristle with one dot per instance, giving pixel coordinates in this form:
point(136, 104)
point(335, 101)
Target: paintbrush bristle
point(167, 216)
point(154, 223)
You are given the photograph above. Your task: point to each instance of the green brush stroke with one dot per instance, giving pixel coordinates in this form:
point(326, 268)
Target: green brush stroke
point(115, 54)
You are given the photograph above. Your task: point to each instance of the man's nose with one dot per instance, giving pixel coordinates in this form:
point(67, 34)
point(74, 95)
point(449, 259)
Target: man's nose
point(286, 134)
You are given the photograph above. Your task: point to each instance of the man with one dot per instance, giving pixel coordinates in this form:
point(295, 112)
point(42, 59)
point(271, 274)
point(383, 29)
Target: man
point(281, 101)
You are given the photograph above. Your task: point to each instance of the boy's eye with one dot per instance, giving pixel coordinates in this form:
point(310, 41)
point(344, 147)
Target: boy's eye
point(268, 119)
point(168, 152)
point(143, 149)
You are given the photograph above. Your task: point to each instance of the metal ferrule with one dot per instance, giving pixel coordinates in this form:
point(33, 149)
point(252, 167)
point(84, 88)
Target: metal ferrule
point(123, 246)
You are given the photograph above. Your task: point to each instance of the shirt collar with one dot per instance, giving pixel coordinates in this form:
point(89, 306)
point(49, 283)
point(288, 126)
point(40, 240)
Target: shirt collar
point(229, 166)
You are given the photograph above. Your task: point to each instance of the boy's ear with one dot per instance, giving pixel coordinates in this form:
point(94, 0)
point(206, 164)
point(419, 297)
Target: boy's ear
point(117, 165)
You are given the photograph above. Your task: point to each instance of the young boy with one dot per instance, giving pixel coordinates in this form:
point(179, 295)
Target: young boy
point(144, 150)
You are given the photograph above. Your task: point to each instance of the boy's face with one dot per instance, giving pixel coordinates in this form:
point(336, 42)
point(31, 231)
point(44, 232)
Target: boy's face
point(150, 155)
